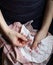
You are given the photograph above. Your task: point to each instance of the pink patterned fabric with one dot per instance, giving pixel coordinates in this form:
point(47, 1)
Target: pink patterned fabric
point(12, 55)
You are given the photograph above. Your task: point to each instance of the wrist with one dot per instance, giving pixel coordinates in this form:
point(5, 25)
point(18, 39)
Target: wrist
point(4, 29)
point(44, 31)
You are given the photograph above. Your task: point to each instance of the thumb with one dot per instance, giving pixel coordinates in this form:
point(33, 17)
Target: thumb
point(16, 42)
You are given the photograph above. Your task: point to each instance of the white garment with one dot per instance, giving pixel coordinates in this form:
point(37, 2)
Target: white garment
point(41, 53)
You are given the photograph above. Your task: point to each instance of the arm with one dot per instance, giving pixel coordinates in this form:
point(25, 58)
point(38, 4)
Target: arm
point(46, 24)
point(11, 35)
point(48, 16)
point(3, 26)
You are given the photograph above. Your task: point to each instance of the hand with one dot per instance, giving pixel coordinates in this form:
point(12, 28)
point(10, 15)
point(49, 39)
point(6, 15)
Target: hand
point(16, 38)
point(39, 36)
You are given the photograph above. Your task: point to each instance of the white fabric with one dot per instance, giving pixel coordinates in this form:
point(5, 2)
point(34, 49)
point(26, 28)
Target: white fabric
point(41, 53)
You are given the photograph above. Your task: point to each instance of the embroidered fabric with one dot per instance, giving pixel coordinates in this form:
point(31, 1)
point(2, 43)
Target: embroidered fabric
point(26, 56)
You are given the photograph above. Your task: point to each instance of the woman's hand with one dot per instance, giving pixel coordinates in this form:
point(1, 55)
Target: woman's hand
point(17, 39)
point(39, 36)
point(47, 19)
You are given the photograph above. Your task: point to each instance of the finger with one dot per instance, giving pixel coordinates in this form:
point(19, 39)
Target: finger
point(21, 36)
point(16, 42)
point(26, 42)
point(34, 45)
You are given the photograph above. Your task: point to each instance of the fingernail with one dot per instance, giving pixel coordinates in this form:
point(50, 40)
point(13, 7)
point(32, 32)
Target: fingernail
point(26, 39)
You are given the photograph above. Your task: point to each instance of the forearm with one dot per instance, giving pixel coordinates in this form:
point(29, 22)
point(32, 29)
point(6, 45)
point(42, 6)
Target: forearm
point(3, 25)
point(48, 16)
